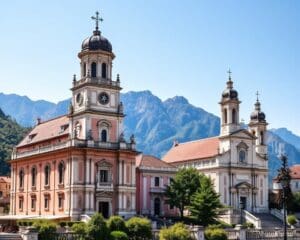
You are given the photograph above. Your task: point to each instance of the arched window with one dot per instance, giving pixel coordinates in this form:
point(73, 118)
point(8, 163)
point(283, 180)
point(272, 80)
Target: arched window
point(33, 176)
point(242, 156)
point(84, 69)
point(262, 138)
point(94, 69)
point(61, 169)
point(104, 135)
point(47, 175)
point(103, 70)
point(225, 116)
point(233, 116)
point(21, 178)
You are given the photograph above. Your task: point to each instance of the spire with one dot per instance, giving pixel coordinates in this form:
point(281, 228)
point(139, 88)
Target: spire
point(97, 20)
point(229, 82)
point(257, 104)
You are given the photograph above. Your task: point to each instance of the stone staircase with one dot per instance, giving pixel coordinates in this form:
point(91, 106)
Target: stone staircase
point(268, 220)
point(10, 236)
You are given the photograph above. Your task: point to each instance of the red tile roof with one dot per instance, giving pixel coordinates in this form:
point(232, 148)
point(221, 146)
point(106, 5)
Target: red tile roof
point(151, 161)
point(295, 171)
point(47, 130)
point(200, 149)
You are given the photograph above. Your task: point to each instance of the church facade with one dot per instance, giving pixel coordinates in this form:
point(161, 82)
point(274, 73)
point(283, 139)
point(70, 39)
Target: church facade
point(79, 163)
point(236, 160)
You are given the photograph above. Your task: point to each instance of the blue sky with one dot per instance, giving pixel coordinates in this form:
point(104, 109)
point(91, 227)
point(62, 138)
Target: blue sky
point(168, 47)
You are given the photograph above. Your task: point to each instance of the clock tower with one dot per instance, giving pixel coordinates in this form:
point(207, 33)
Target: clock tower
point(97, 113)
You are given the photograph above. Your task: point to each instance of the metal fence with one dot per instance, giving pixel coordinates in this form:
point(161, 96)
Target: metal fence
point(61, 236)
point(272, 234)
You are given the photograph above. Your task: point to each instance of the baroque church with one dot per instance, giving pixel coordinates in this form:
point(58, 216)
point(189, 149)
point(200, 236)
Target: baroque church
point(79, 163)
point(236, 160)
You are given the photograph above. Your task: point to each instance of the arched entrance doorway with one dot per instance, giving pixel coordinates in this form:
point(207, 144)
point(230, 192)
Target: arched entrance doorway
point(157, 206)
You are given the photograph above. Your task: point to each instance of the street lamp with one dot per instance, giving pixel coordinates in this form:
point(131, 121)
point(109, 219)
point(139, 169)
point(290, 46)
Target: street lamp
point(284, 179)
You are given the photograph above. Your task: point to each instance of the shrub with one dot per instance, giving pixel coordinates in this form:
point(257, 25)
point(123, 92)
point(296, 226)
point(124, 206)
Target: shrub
point(45, 228)
point(248, 225)
point(70, 223)
point(215, 234)
point(139, 228)
point(62, 224)
point(291, 219)
point(176, 232)
point(96, 227)
point(116, 223)
point(79, 228)
point(118, 235)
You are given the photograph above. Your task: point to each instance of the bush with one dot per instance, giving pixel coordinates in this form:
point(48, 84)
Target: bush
point(62, 224)
point(176, 232)
point(116, 223)
point(118, 235)
point(248, 225)
point(96, 227)
point(215, 234)
point(45, 228)
point(291, 219)
point(79, 228)
point(139, 228)
point(70, 224)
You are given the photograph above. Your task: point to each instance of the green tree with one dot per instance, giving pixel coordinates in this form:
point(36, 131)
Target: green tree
point(96, 227)
point(205, 203)
point(139, 228)
point(215, 234)
point(182, 187)
point(118, 235)
point(79, 228)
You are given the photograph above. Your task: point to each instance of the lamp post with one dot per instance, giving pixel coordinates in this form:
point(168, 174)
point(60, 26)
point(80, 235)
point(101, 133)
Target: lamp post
point(284, 179)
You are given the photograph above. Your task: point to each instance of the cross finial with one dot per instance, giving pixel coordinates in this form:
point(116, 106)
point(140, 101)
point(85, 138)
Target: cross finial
point(97, 20)
point(229, 73)
point(257, 94)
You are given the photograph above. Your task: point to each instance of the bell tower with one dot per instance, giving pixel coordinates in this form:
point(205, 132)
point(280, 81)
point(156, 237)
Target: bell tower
point(229, 109)
point(258, 127)
point(96, 111)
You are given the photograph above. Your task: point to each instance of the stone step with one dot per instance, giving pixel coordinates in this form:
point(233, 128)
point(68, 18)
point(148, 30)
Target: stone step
point(268, 220)
point(10, 236)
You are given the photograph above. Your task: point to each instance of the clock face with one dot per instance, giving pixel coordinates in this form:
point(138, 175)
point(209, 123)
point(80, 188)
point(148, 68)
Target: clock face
point(79, 99)
point(103, 98)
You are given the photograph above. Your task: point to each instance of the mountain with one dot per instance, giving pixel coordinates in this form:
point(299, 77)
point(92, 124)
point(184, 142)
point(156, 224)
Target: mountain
point(156, 123)
point(10, 134)
point(25, 111)
point(287, 136)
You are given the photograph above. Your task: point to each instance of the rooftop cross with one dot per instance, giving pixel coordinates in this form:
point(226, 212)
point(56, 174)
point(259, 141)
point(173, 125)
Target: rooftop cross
point(229, 73)
point(97, 20)
point(257, 94)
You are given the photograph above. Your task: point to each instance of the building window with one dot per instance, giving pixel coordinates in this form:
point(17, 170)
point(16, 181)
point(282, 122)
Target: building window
point(296, 184)
point(103, 176)
point(21, 178)
point(61, 169)
point(156, 181)
point(33, 203)
point(103, 68)
point(60, 201)
point(84, 69)
point(242, 156)
point(33, 176)
point(94, 69)
point(1, 194)
point(233, 116)
point(104, 135)
point(225, 116)
point(47, 175)
point(21, 201)
point(46, 202)
point(262, 138)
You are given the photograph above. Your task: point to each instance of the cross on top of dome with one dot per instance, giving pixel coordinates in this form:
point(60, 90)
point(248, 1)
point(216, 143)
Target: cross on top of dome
point(97, 20)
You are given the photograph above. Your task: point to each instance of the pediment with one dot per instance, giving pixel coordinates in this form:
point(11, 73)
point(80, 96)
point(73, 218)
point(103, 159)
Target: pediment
point(243, 133)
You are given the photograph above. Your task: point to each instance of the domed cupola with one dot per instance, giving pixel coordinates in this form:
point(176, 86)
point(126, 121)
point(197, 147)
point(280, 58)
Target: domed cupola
point(229, 93)
point(96, 41)
point(257, 114)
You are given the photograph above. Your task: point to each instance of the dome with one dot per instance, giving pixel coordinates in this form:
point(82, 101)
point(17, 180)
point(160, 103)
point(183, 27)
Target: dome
point(96, 42)
point(258, 116)
point(230, 93)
